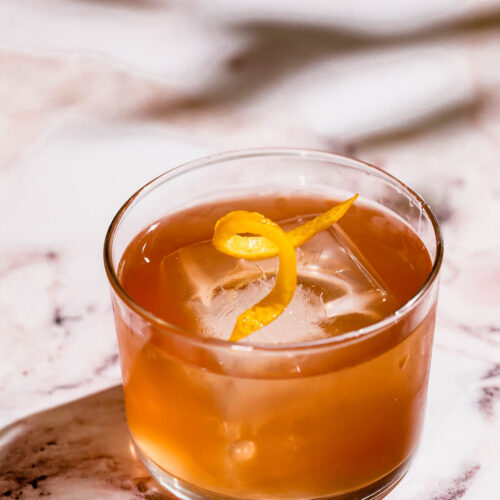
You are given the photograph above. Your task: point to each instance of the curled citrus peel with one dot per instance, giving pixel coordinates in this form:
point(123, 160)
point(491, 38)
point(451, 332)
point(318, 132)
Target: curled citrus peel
point(269, 241)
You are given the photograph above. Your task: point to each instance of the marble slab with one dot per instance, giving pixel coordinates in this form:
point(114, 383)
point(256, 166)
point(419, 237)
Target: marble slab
point(99, 96)
point(80, 450)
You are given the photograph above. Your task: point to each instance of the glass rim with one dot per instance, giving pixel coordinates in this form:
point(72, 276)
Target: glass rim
point(345, 338)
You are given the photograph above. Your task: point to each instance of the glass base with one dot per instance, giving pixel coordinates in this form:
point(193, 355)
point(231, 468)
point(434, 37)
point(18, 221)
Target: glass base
point(186, 491)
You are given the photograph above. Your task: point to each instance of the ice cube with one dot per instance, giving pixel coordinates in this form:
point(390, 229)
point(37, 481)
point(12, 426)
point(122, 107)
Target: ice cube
point(337, 290)
point(352, 291)
point(298, 323)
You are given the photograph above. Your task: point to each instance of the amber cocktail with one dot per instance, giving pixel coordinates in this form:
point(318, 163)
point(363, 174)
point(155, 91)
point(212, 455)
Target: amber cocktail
point(327, 401)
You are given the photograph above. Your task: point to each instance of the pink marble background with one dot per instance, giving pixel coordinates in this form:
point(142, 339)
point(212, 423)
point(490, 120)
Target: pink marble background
point(97, 97)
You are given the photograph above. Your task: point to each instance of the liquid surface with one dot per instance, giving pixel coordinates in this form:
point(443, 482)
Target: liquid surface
point(349, 276)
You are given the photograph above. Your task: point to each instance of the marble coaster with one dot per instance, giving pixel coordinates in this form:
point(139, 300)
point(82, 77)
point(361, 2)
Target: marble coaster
point(79, 451)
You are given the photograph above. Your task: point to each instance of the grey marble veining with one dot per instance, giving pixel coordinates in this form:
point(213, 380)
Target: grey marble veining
point(78, 450)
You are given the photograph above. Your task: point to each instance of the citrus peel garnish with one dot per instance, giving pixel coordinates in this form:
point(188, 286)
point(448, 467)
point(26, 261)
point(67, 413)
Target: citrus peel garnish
point(269, 241)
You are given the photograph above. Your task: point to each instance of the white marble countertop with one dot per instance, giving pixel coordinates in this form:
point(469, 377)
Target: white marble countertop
point(99, 96)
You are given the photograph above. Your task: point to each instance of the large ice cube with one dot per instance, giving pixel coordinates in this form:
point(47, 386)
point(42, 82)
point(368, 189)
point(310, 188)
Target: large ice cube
point(337, 289)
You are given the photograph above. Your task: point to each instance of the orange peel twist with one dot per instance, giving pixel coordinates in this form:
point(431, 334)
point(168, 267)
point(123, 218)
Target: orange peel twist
point(269, 241)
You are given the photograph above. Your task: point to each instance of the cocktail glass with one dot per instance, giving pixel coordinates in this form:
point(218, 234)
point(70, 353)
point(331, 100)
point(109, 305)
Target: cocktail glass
point(336, 418)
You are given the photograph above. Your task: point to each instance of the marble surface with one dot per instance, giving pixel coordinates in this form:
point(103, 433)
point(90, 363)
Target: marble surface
point(99, 96)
